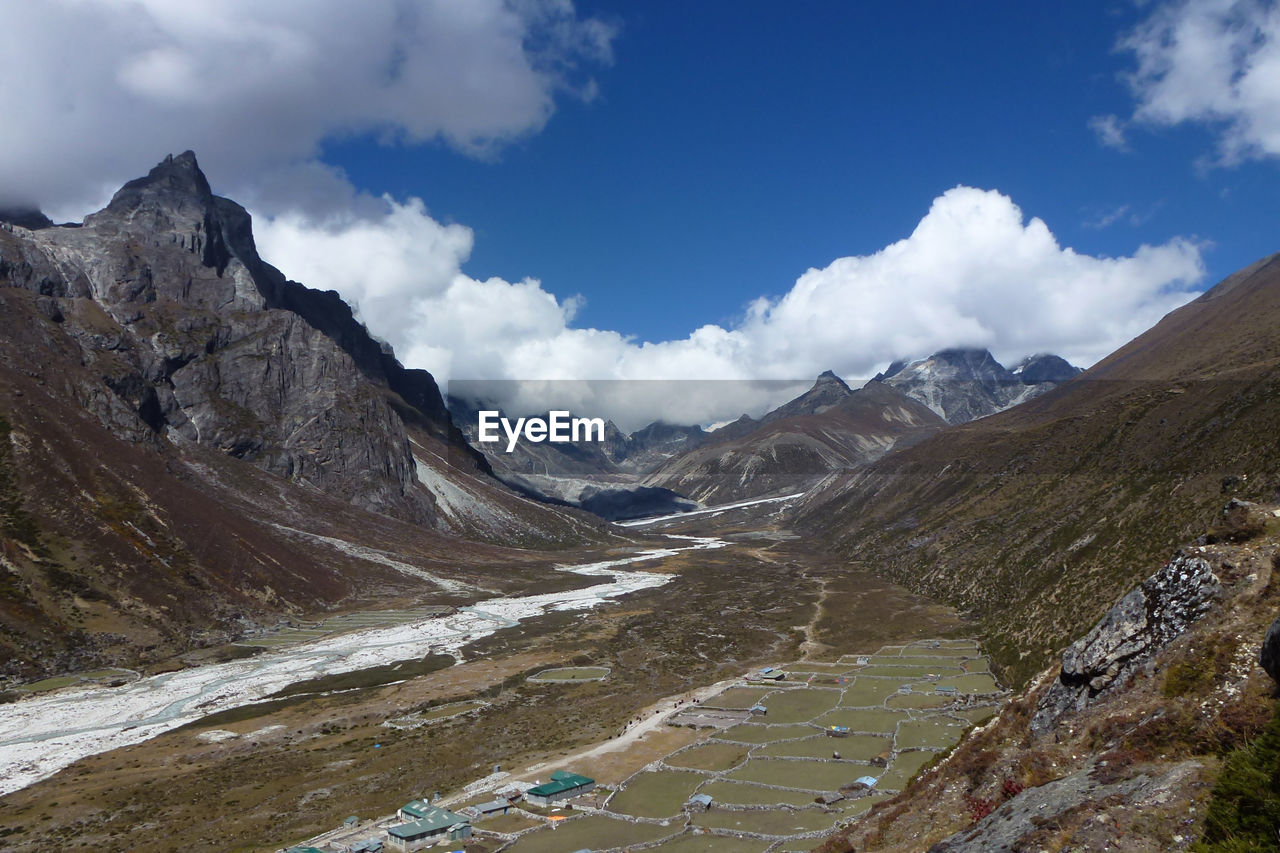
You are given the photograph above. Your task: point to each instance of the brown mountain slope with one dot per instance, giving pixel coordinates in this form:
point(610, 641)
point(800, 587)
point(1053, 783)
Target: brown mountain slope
point(179, 424)
point(1036, 518)
point(828, 428)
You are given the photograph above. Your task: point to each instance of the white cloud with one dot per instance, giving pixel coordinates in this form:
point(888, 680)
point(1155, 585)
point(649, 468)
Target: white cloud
point(96, 90)
point(1215, 62)
point(974, 272)
point(1110, 132)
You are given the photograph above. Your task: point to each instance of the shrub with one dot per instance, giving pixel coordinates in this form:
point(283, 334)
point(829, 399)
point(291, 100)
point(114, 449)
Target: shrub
point(1244, 812)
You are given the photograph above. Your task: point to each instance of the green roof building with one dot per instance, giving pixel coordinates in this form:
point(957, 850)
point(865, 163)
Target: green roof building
point(426, 824)
point(562, 786)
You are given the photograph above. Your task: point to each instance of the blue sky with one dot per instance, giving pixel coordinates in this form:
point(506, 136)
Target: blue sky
point(728, 152)
point(544, 189)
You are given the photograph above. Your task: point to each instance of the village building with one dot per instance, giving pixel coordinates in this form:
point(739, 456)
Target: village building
point(759, 710)
point(563, 785)
point(499, 806)
point(699, 803)
point(837, 731)
point(771, 674)
point(426, 825)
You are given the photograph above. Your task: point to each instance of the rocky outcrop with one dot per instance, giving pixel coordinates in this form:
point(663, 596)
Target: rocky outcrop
point(1138, 626)
point(961, 385)
point(1020, 823)
point(198, 340)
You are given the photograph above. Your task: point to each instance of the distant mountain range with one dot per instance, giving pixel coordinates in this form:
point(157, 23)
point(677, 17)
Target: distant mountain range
point(664, 468)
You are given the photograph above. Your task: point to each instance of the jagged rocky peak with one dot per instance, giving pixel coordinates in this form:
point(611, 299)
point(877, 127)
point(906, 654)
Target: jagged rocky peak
point(197, 340)
point(177, 179)
point(828, 377)
point(165, 237)
point(962, 384)
point(1045, 367)
point(827, 391)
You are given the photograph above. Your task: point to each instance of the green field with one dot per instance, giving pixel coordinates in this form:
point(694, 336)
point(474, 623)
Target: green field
point(752, 733)
point(812, 666)
point(858, 807)
point(906, 673)
point(929, 660)
point(919, 700)
point(707, 843)
point(709, 756)
point(746, 794)
point(572, 673)
point(593, 832)
point(814, 776)
point(767, 821)
point(864, 720)
point(935, 732)
point(978, 682)
point(977, 715)
point(943, 651)
point(904, 766)
point(656, 794)
point(738, 698)
point(799, 706)
point(867, 692)
point(57, 682)
point(853, 747)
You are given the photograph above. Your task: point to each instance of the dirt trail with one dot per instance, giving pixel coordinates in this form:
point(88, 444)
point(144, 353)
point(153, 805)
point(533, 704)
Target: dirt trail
point(811, 647)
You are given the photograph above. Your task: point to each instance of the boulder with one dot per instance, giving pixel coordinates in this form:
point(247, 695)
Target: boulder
point(1139, 625)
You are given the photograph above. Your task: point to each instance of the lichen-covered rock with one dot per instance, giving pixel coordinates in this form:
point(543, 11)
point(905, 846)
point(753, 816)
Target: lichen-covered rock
point(1138, 626)
point(1021, 819)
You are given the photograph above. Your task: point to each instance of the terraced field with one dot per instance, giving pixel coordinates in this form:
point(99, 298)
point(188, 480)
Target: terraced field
point(883, 715)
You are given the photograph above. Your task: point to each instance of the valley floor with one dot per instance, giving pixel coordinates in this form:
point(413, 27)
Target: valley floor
point(263, 775)
point(878, 717)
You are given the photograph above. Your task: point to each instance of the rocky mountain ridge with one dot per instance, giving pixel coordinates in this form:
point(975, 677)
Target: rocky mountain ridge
point(961, 385)
point(193, 444)
point(828, 428)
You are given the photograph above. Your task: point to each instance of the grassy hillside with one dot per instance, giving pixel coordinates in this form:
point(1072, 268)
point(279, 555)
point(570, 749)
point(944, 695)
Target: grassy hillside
point(1036, 519)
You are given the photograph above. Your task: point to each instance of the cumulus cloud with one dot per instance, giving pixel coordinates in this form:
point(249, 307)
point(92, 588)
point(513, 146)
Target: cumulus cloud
point(1215, 62)
point(974, 272)
point(97, 90)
